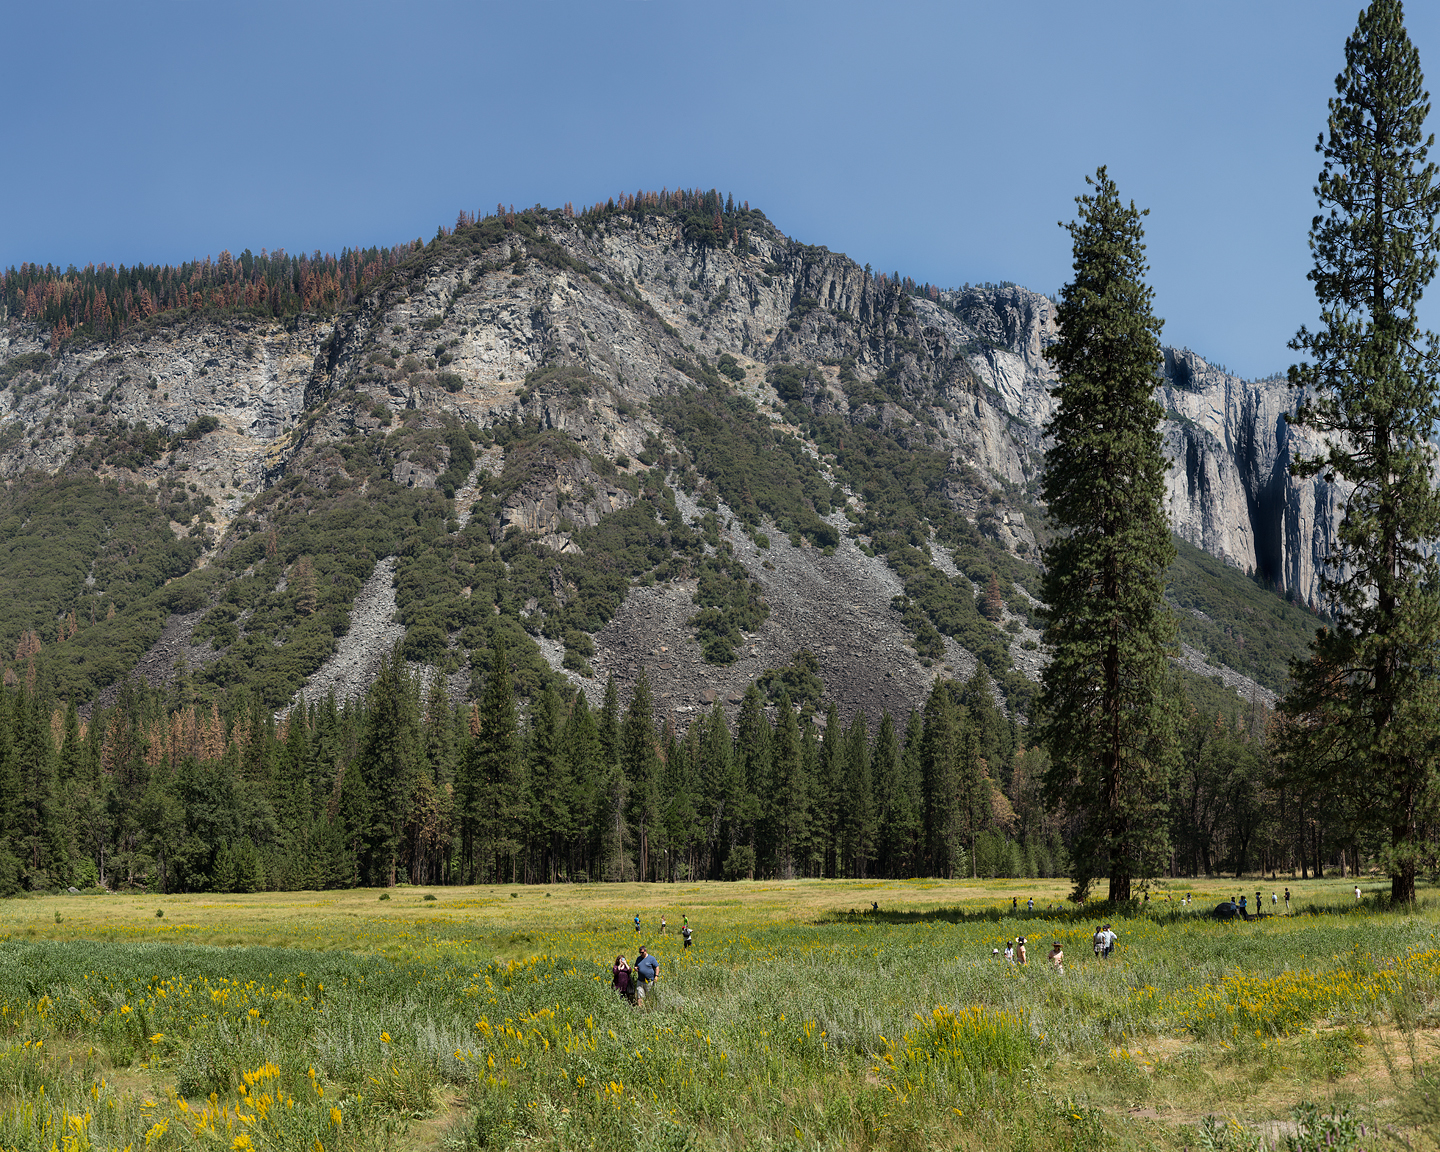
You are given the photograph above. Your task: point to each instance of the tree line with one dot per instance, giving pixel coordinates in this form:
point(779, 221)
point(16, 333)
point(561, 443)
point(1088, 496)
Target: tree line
point(165, 793)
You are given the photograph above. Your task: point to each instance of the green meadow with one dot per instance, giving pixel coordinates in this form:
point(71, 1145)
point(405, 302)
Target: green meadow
point(483, 1018)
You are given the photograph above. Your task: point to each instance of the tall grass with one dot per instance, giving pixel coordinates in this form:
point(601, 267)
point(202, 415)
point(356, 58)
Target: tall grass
point(798, 1030)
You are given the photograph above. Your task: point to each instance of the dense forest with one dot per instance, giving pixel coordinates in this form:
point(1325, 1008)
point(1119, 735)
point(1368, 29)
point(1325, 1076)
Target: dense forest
point(161, 791)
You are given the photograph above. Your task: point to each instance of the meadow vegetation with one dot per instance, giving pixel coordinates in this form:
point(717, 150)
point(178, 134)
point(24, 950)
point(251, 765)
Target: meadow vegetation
point(483, 1018)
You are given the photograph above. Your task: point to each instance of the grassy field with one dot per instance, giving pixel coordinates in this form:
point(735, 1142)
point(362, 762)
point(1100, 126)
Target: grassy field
point(483, 1018)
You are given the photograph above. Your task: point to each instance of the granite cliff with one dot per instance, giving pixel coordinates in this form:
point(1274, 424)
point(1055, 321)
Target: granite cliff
point(561, 345)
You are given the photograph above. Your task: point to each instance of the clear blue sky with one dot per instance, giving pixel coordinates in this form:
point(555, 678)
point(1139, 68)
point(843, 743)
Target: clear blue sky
point(943, 140)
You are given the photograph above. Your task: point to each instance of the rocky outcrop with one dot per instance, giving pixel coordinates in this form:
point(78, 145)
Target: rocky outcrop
point(1229, 488)
point(558, 495)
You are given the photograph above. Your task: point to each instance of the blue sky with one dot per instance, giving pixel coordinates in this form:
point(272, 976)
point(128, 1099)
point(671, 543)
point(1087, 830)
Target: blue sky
point(940, 140)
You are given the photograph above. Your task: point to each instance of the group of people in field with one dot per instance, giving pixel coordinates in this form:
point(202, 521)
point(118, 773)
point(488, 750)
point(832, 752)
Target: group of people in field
point(635, 982)
point(1016, 953)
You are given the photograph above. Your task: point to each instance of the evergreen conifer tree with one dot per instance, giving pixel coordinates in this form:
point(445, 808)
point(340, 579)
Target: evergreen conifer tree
point(859, 804)
point(1104, 710)
point(502, 766)
point(907, 824)
point(390, 763)
point(584, 770)
point(640, 764)
point(720, 790)
point(614, 785)
point(1370, 384)
point(791, 797)
point(940, 769)
point(752, 768)
point(550, 779)
point(829, 781)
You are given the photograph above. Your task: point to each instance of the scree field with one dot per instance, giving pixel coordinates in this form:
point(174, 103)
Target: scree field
point(484, 1018)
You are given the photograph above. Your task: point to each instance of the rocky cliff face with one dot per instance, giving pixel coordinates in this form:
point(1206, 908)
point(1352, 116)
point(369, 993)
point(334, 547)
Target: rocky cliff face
point(641, 311)
point(1229, 489)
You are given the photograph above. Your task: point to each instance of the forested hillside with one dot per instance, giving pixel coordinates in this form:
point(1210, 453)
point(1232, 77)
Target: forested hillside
point(658, 454)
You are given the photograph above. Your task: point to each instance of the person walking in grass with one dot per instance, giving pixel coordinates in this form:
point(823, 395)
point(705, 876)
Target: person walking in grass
point(685, 934)
point(1107, 934)
point(663, 932)
point(1010, 951)
point(622, 979)
point(1257, 901)
point(637, 923)
point(1057, 957)
point(1020, 957)
point(1097, 941)
point(1357, 893)
point(647, 968)
point(1287, 901)
point(1030, 904)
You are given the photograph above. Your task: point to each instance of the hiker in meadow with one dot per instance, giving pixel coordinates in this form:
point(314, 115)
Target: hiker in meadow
point(1020, 957)
point(622, 979)
point(647, 968)
point(1057, 957)
point(1010, 951)
point(1357, 893)
point(1030, 904)
point(685, 934)
point(1257, 901)
point(1097, 942)
point(662, 926)
point(1108, 935)
point(637, 924)
point(1287, 901)
point(1014, 903)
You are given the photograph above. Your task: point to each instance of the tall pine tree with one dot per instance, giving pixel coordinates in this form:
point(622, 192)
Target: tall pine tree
point(1104, 713)
point(1370, 385)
